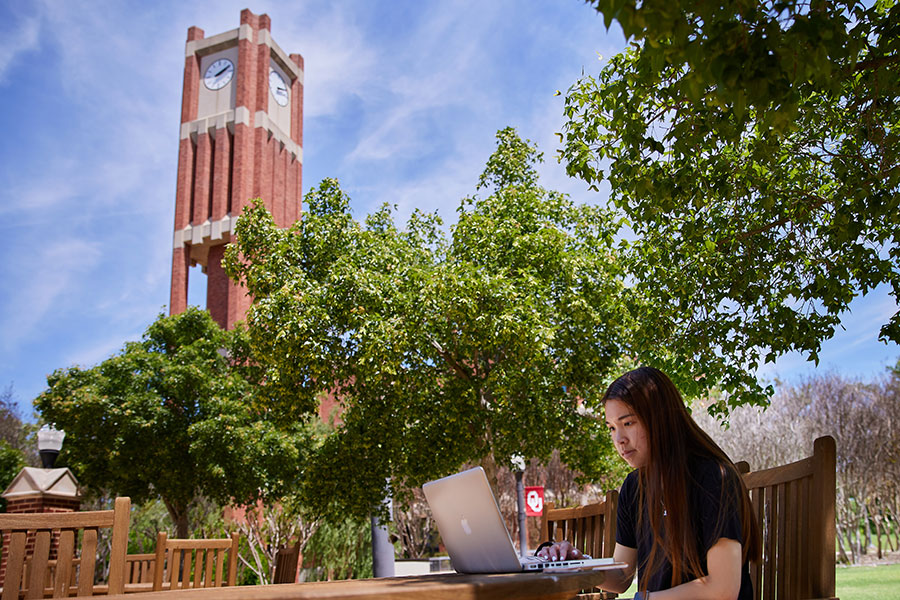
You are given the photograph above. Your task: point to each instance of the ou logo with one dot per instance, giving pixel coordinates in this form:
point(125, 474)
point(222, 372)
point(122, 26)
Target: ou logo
point(535, 501)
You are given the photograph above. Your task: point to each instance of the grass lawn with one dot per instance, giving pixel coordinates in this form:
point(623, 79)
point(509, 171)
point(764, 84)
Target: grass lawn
point(855, 583)
point(868, 583)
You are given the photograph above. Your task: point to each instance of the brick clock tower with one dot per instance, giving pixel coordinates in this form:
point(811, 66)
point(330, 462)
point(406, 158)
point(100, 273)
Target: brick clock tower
point(241, 138)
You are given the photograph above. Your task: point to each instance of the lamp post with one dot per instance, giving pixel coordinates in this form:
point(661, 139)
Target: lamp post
point(49, 444)
point(382, 548)
point(519, 470)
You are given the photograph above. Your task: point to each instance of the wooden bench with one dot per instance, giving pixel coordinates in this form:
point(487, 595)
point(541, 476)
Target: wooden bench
point(71, 573)
point(286, 561)
point(591, 528)
point(200, 563)
point(794, 505)
point(139, 572)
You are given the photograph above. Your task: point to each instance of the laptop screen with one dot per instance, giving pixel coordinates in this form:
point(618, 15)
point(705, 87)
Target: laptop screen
point(470, 523)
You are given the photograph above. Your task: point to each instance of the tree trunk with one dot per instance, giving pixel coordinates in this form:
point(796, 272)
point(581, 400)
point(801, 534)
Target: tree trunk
point(491, 471)
point(893, 534)
point(867, 521)
point(877, 518)
point(179, 516)
point(891, 527)
point(842, 554)
point(181, 526)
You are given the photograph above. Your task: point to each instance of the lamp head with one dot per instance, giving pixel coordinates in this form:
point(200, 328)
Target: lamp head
point(49, 444)
point(518, 462)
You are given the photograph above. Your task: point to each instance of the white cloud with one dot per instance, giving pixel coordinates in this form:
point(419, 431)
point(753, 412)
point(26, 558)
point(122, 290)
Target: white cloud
point(32, 194)
point(440, 192)
point(23, 37)
point(854, 348)
point(101, 349)
point(338, 60)
point(106, 150)
point(442, 65)
point(46, 281)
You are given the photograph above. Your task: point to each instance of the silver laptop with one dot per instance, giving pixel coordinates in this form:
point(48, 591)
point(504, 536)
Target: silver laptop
point(474, 533)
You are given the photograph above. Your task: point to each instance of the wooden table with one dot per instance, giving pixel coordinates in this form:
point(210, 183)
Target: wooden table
point(447, 586)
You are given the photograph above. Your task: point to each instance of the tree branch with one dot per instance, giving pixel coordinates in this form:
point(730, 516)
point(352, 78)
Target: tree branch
point(875, 63)
point(452, 362)
point(779, 222)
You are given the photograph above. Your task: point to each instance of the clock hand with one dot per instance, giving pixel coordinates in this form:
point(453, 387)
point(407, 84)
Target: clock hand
point(222, 71)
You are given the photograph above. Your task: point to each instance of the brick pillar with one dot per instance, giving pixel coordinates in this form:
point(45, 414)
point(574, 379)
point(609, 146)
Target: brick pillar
point(221, 174)
point(184, 188)
point(39, 491)
point(202, 191)
point(217, 287)
point(295, 189)
point(279, 154)
point(191, 79)
point(181, 263)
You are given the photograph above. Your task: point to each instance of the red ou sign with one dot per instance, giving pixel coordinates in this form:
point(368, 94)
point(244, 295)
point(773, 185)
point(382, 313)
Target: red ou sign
point(534, 501)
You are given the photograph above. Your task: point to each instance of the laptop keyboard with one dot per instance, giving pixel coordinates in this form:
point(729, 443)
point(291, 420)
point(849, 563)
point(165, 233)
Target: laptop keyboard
point(537, 560)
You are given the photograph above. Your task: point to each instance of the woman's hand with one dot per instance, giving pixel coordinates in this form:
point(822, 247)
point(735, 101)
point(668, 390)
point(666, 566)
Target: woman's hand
point(561, 551)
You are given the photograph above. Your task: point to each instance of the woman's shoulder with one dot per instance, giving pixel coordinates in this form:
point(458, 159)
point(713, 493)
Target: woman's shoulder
point(710, 472)
point(703, 462)
point(629, 486)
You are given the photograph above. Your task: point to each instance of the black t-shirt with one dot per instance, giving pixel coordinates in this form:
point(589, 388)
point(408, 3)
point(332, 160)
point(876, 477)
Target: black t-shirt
point(705, 505)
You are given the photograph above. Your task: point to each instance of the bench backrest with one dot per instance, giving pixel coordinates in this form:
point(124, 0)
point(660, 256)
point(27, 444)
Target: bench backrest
point(72, 571)
point(185, 563)
point(286, 561)
point(794, 505)
point(139, 568)
point(590, 528)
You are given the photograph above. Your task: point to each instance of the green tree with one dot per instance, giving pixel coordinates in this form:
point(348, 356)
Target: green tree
point(753, 148)
point(12, 441)
point(11, 462)
point(441, 352)
point(13, 431)
point(340, 550)
point(169, 417)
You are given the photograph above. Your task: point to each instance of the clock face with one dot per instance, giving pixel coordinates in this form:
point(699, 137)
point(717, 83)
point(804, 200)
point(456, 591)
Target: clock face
point(219, 74)
point(278, 87)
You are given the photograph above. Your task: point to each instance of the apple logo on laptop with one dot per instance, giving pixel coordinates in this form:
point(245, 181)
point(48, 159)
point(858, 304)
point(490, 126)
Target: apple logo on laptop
point(465, 526)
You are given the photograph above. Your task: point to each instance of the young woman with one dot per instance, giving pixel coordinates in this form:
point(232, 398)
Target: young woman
point(684, 518)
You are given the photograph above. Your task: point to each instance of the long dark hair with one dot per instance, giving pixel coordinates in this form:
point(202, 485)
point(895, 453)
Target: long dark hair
point(663, 481)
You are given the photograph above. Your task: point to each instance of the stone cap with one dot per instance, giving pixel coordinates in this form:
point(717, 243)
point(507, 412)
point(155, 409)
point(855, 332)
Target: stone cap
point(32, 481)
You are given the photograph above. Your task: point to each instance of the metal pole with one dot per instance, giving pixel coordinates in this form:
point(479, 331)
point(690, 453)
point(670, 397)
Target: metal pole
point(382, 548)
point(520, 507)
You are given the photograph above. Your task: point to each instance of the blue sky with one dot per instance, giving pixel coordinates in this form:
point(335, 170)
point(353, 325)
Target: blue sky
point(402, 101)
